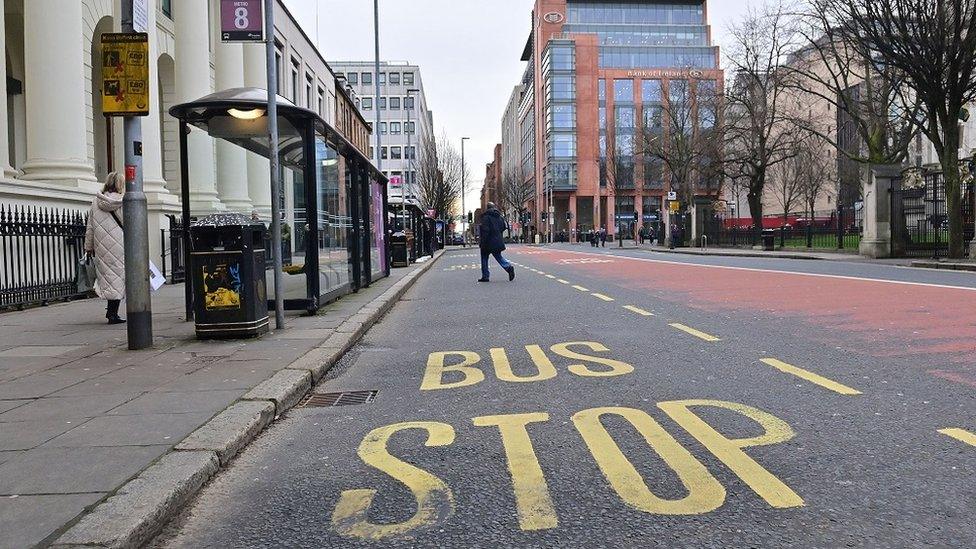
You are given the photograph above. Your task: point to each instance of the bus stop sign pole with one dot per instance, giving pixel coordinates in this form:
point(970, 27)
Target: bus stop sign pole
point(269, 33)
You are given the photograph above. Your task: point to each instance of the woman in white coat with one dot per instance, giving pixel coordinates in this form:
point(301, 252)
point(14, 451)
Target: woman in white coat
point(104, 239)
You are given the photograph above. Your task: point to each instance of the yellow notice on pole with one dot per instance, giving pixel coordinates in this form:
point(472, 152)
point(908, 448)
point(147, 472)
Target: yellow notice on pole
point(125, 74)
point(674, 206)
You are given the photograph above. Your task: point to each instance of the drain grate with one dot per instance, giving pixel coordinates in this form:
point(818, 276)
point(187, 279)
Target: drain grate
point(350, 398)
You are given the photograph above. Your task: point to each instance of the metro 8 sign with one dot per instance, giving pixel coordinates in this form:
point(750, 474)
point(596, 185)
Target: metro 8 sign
point(242, 20)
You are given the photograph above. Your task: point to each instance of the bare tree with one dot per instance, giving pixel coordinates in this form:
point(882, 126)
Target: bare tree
point(758, 127)
point(814, 170)
point(786, 185)
point(516, 192)
point(683, 136)
point(440, 176)
point(931, 45)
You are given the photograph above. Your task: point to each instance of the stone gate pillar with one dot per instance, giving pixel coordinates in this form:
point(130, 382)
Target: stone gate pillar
point(876, 235)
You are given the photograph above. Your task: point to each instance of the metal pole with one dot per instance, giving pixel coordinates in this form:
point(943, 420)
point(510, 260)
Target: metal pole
point(269, 33)
point(376, 80)
point(464, 213)
point(406, 174)
point(138, 303)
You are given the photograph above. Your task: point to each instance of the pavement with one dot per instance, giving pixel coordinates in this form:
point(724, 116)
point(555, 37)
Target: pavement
point(628, 399)
point(87, 425)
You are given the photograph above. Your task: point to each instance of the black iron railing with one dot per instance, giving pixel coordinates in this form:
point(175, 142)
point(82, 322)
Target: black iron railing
point(171, 244)
point(39, 254)
point(839, 229)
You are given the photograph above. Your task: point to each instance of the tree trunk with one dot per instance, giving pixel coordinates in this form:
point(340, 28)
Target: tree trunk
point(951, 175)
point(755, 208)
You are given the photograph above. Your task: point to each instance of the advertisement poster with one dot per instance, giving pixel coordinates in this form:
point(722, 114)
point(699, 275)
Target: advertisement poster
point(125, 74)
point(222, 286)
point(379, 224)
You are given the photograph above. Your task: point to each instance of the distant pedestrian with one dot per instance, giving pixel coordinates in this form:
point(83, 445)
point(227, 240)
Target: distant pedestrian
point(104, 240)
point(492, 243)
point(603, 236)
point(640, 235)
point(652, 236)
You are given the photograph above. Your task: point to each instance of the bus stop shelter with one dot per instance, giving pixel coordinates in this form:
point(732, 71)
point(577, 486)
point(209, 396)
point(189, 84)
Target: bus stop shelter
point(334, 199)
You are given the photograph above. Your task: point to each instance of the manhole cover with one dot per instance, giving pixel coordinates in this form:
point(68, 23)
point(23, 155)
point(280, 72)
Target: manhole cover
point(351, 398)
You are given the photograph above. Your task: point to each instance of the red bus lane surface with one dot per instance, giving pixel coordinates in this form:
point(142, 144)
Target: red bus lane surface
point(862, 315)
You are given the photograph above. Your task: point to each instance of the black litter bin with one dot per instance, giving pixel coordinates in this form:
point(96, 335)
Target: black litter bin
point(227, 263)
point(769, 240)
point(398, 248)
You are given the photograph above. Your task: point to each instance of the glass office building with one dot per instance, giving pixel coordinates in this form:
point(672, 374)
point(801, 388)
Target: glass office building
point(603, 75)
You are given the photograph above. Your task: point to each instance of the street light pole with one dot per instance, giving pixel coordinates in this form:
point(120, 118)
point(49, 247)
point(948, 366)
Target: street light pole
point(138, 303)
point(269, 31)
point(408, 173)
point(464, 213)
point(376, 80)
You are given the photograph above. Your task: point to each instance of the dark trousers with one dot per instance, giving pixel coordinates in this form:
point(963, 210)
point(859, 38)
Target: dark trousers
point(498, 257)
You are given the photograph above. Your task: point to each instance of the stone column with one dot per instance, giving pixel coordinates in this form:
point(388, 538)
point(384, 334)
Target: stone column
point(192, 83)
point(574, 222)
point(152, 147)
point(5, 166)
point(876, 236)
point(57, 143)
point(258, 169)
point(231, 159)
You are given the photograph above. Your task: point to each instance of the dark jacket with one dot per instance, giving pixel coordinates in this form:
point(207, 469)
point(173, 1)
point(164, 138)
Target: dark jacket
point(492, 231)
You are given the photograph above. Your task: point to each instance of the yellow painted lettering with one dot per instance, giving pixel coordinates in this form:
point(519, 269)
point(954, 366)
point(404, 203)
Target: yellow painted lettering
point(729, 451)
point(617, 368)
point(535, 509)
point(434, 374)
point(435, 502)
point(503, 368)
point(705, 493)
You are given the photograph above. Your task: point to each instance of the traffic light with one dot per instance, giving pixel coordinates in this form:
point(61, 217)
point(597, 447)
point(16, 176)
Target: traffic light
point(569, 216)
point(470, 217)
point(636, 216)
point(544, 216)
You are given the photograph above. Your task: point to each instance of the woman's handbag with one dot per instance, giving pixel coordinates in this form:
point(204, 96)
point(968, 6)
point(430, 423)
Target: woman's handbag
point(86, 276)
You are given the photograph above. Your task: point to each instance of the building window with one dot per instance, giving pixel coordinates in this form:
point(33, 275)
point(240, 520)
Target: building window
point(394, 78)
point(367, 103)
point(410, 127)
point(167, 7)
point(394, 103)
point(367, 78)
point(382, 128)
point(395, 128)
point(382, 78)
point(321, 102)
point(383, 153)
point(651, 91)
point(408, 78)
point(562, 145)
point(411, 153)
point(309, 89)
point(623, 91)
point(382, 103)
point(353, 78)
point(408, 102)
point(295, 70)
point(396, 153)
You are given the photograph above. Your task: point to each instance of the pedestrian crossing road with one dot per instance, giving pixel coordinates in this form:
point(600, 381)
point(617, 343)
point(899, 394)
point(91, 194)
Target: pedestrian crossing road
point(625, 399)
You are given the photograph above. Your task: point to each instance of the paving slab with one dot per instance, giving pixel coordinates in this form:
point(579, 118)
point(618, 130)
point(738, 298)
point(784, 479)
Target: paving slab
point(191, 401)
point(61, 408)
point(27, 520)
point(74, 470)
point(6, 405)
point(24, 435)
point(142, 430)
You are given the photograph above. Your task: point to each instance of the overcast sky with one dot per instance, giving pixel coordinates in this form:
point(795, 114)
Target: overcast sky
point(468, 52)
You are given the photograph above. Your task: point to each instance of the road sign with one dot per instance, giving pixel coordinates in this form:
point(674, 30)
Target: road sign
point(395, 180)
point(125, 74)
point(672, 195)
point(241, 21)
point(674, 206)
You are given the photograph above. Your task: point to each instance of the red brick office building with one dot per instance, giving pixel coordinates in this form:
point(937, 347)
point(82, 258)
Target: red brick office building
point(597, 70)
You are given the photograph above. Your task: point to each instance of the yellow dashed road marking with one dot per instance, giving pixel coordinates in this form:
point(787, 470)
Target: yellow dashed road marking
point(638, 310)
point(694, 332)
point(960, 435)
point(811, 377)
point(580, 288)
point(601, 296)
